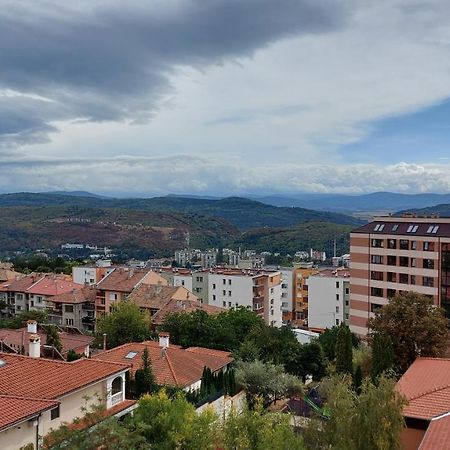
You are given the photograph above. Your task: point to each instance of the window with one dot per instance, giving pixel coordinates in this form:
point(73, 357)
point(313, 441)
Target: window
point(374, 307)
point(391, 277)
point(412, 279)
point(116, 385)
point(229, 293)
point(392, 243)
point(376, 259)
point(182, 282)
point(229, 281)
point(69, 322)
point(412, 228)
point(224, 281)
point(376, 292)
point(229, 304)
point(428, 281)
point(224, 304)
point(337, 284)
point(102, 301)
point(337, 321)
point(433, 229)
point(395, 227)
point(112, 296)
point(428, 246)
point(39, 299)
point(91, 280)
point(378, 243)
point(337, 297)
point(428, 264)
point(391, 293)
point(54, 413)
point(413, 262)
point(337, 309)
point(271, 290)
point(391, 260)
point(214, 285)
point(413, 245)
point(403, 261)
point(347, 291)
point(224, 292)
point(214, 297)
point(131, 355)
point(404, 244)
point(199, 279)
point(68, 308)
point(403, 278)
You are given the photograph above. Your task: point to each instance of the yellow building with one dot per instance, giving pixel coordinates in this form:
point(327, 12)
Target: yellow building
point(301, 274)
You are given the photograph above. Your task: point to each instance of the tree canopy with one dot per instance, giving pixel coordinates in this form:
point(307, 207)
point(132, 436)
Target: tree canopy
point(415, 326)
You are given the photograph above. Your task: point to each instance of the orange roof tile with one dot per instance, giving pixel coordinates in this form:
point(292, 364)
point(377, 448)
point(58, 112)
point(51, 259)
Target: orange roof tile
point(50, 379)
point(175, 366)
point(122, 280)
point(18, 409)
point(77, 296)
point(437, 436)
point(53, 285)
point(426, 386)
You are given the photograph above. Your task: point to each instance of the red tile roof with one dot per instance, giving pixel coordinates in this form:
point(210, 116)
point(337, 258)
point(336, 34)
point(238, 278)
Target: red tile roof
point(122, 280)
point(437, 436)
point(15, 410)
point(426, 386)
point(53, 285)
point(77, 296)
point(175, 366)
point(70, 341)
point(50, 379)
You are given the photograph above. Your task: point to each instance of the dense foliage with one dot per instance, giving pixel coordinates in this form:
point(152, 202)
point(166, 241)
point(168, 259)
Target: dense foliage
point(20, 320)
point(344, 350)
point(415, 326)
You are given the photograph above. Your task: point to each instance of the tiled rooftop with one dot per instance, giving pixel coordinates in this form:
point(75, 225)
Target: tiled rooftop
point(437, 436)
point(426, 386)
point(77, 296)
point(174, 366)
point(122, 280)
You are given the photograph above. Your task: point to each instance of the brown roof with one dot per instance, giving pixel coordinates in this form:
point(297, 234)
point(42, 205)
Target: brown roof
point(153, 297)
point(8, 275)
point(76, 296)
point(400, 228)
point(42, 284)
point(22, 284)
point(122, 280)
point(426, 386)
point(18, 409)
point(69, 341)
point(173, 366)
point(437, 436)
point(49, 379)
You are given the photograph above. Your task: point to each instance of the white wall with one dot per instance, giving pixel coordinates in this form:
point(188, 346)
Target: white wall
point(182, 280)
point(324, 309)
point(286, 289)
point(275, 311)
point(238, 290)
point(82, 275)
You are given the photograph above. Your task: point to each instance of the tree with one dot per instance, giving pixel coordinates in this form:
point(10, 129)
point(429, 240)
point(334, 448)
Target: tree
point(306, 359)
point(415, 326)
point(344, 350)
point(382, 354)
point(144, 378)
point(357, 379)
point(371, 420)
point(328, 339)
point(124, 324)
point(266, 381)
point(72, 355)
point(53, 338)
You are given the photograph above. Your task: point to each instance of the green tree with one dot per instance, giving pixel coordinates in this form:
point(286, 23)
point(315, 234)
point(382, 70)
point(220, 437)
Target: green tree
point(124, 324)
point(328, 339)
point(144, 378)
point(53, 338)
point(357, 379)
point(371, 420)
point(382, 354)
point(344, 350)
point(72, 355)
point(415, 326)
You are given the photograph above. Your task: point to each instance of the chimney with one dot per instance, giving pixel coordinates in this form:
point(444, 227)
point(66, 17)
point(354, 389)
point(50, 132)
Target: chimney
point(34, 349)
point(32, 326)
point(164, 340)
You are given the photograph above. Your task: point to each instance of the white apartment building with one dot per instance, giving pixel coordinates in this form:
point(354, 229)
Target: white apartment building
point(329, 298)
point(287, 289)
point(258, 290)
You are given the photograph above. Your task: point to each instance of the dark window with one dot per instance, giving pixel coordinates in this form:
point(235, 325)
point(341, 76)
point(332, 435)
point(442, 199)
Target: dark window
point(376, 276)
point(428, 264)
point(403, 261)
point(116, 385)
point(379, 243)
point(374, 307)
point(391, 293)
point(54, 413)
point(404, 244)
point(376, 292)
point(403, 278)
point(412, 279)
point(376, 259)
point(428, 246)
point(428, 281)
point(392, 260)
point(337, 284)
point(392, 277)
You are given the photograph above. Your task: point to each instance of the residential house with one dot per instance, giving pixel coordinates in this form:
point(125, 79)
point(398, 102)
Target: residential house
point(300, 295)
point(426, 387)
point(38, 395)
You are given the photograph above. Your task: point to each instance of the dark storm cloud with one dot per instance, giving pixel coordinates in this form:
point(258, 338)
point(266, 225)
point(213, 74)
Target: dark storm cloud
point(112, 62)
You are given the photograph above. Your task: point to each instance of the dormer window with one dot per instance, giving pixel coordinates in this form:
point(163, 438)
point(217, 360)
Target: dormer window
point(412, 228)
point(395, 227)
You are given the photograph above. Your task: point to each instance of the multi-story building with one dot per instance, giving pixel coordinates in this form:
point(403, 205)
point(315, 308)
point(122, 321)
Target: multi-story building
point(92, 274)
point(287, 292)
point(177, 276)
point(302, 272)
point(394, 254)
point(328, 298)
point(258, 290)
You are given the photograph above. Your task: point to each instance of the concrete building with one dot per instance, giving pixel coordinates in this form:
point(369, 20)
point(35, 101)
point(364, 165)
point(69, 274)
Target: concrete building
point(287, 292)
point(302, 272)
point(176, 276)
point(258, 290)
point(92, 274)
point(394, 254)
point(329, 298)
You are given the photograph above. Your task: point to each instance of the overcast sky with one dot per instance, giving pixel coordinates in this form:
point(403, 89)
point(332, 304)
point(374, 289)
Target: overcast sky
point(224, 97)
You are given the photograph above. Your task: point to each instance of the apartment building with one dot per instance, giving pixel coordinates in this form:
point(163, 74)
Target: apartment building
point(176, 276)
point(92, 274)
point(287, 292)
point(301, 274)
point(328, 298)
point(41, 394)
point(118, 284)
point(258, 290)
point(394, 254)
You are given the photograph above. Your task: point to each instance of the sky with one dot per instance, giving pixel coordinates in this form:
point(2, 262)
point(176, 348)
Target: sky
point(225, 97)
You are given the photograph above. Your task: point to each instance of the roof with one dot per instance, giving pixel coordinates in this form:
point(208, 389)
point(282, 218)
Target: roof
point(42, 284)
point(400, 226)
point(122, 279)
point(77, 296)
point(49, 379)
point(70, 341)
point(153, 296)
point(335, 272)
point(18, 409)
point(426, 386)
point(8, 274)
point(437, 436)
point(173, 366)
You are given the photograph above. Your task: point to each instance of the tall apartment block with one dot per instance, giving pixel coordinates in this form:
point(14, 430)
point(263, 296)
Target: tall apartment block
point(395, 254)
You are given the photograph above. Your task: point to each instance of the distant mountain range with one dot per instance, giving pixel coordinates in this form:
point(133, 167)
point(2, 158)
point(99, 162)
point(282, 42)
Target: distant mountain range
point(440, 210)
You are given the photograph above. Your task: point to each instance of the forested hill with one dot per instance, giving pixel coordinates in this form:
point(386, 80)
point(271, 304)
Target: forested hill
point(242, 213)
point(442, 210)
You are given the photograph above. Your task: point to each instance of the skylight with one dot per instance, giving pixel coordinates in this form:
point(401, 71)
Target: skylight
point(412, 228)
point(395, 227)
point(379, 227)
point(130, 355)
point(435, 229)
point(2, 362)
